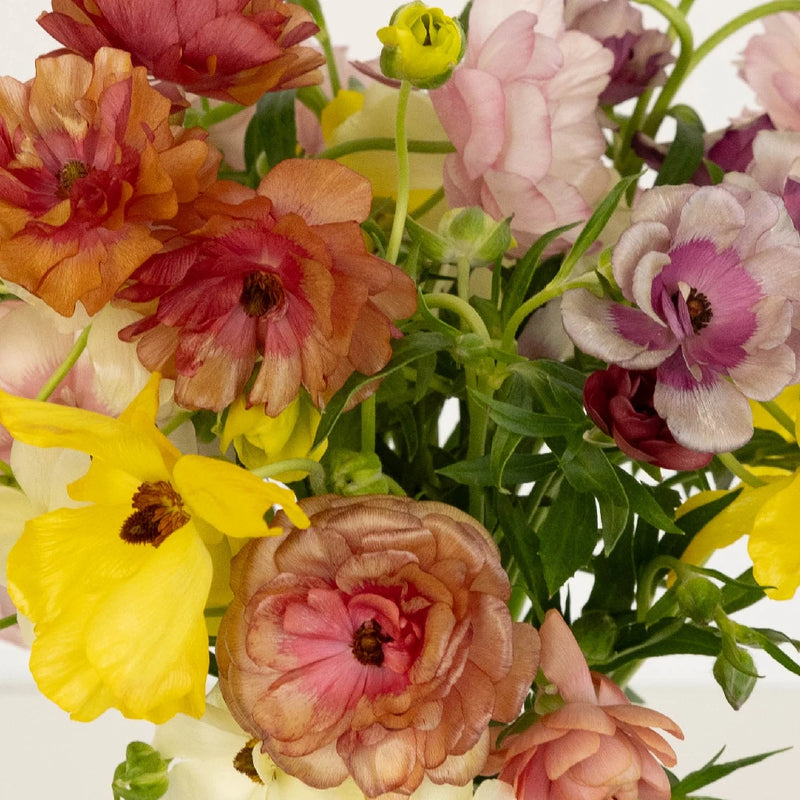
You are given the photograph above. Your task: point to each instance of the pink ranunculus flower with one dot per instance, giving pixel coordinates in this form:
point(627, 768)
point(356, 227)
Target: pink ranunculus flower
point(775, 166)
point(771, 66)
point(521, 112)
point(377, 644)
point(596, 746)
point(711, 280)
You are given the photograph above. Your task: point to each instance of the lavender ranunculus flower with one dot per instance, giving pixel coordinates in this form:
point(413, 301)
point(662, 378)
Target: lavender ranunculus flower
point(711, 276)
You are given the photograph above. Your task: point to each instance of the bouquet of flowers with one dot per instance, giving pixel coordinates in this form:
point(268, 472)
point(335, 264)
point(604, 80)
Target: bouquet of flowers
point(322, 379)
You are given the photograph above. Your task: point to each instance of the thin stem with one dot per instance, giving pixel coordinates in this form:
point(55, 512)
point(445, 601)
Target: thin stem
point(779, 415)
point(464, 310)
point(323, 37)
point(733, 465)
point(368, 416)
point(385, 143)
point(66, 365)
point(7, 622)
point(176, 422)
point(646, 586)
point(462, 282)
point(403, 175)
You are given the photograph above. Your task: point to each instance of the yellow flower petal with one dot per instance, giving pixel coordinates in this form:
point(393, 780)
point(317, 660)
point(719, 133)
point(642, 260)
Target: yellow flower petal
point(230, 498)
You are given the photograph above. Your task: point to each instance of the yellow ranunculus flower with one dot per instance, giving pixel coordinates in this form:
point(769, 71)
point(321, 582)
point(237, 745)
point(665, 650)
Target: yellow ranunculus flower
point(421, 45)
point(260, 440)
point(116, 588)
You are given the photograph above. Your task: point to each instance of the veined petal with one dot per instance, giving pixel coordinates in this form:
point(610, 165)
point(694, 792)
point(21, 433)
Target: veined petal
point(230, 498)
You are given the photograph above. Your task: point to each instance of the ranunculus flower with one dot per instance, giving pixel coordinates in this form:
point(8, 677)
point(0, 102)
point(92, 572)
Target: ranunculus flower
point(233, 50)
point(116, 588)
point(620, 403)
point(377, 644)
point(596, 745)
point(281, 275)
point(88, 163)
point(771, 66)
point(639, 55)
point(711, 276)
point(526, 79)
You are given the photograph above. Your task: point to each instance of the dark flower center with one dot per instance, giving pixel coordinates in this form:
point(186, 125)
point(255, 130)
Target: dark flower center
point(70, 173)
point(368, 643)
point(262, 292)
point(159, 512)
point(699, 308)
point(243, 762)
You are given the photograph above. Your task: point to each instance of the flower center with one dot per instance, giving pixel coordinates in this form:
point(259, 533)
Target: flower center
point(69, 173)
point(243, 762)
point(699, 309)
point(368, 643)
point(159, 512)
point(262, 292)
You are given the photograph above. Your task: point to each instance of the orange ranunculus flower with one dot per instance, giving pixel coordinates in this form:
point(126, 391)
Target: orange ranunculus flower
point(277, 279)
point(233, 50)
point(88, 162)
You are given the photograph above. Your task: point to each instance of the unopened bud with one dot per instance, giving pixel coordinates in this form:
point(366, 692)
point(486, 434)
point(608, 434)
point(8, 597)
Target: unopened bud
point(736, 685)
point(698, 598)
point(143, 774)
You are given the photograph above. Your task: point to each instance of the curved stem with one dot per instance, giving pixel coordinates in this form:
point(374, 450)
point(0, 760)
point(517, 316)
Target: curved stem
point(733, 465)
point(464, 310)
point(403, 175)
point(7, 622)
point(176, 422)
point(368, 413)
point(427, 205)
point(645, 589)
point(66, 365)
point(779, 415)
point(323, 37)
point(315, 470)
point(385, 143)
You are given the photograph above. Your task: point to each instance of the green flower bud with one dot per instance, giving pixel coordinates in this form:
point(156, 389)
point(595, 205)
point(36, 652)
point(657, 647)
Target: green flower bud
point(421, 45)
point(143, 774)
point(351, 473)
point(736, 685)
point(698, 598)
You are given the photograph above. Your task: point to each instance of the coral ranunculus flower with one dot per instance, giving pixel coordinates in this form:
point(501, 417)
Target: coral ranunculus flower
point(233, 50)
point(282, 274)
point(116, 588)
point(377, 644)
point(596, 746)
point(88, 161)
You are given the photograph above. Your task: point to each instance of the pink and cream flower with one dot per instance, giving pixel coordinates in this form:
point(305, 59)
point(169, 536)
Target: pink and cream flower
point(595, 745)
point(280, 277)
point(526, 79)
point(88, 163)
point(376, 644)
point(711, 284)
point(233, 50)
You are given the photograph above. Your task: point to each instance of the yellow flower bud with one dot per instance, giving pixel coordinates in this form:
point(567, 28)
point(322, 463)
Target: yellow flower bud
point(260, 440)
point(421, 45)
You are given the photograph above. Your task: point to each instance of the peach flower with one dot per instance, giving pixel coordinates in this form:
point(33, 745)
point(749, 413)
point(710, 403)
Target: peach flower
point(376, 644)
point(596, 746)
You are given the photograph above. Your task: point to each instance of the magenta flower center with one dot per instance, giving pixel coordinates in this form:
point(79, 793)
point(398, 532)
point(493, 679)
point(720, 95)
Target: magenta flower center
point(158, 513)
point(69, 173)
point(262, 292)
point(368, 643)
point(699, 309)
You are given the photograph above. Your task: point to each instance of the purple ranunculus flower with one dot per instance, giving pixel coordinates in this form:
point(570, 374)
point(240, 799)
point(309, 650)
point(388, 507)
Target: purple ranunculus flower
point(711, 276)
point(620, 403)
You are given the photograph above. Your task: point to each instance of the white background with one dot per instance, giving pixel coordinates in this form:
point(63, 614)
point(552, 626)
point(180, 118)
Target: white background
point(45, 755)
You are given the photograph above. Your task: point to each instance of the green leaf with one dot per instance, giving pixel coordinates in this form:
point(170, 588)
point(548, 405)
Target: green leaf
point(644, 503)
point(559, 387)
point(524, 422)
point(567, 535)
point(686, 153)
point(272, 133)
point(519, 468)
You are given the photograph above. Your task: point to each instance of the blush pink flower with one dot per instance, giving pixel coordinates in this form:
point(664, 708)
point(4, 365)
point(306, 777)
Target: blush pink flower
point(281, 277)
point(775, 166)
point(596, 746)
point(711, 280)
point(521, 112)
point(233, 50)
point(376, 644)
point(771, 66)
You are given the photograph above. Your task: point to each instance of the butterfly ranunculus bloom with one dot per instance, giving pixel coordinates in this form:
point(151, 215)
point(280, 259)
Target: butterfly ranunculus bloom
point(596, 745)
point(377, 644)
point(88, 162)
point(233, 50)
point(525, 79)
point(281, 275)
point(711, 276)
point(116, 588)
point(620, 403)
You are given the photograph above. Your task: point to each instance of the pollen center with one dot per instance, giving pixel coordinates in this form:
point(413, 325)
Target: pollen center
point(262, 292)
point(243, 762)
point(158, 513)
point(699, 310)
point(368, 643)
point(69, 173)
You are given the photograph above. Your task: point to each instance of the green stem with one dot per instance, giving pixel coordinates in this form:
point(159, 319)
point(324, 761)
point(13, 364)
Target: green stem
point(464, 310)
point(462, 282)
point(313, 98)
point(368, 416)
point(323, 37)
point(403, 175)
point(625, 159)
point(176, 422)
point(737, 24)
point(779, 415)
point(66, 365)
point(646, 587)
point(476, 445)
point(315, 470)
point(733, 465)
point(385, 143)
point(679, 71)
point(215, 611)
point(7, 622)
